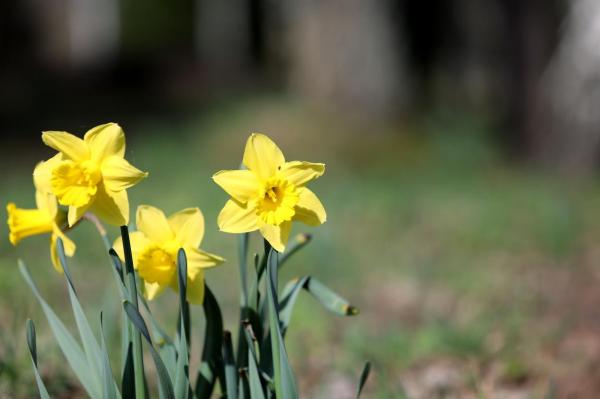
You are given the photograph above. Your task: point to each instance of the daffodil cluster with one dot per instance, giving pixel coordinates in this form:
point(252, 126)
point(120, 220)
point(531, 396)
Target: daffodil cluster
point(87, 179)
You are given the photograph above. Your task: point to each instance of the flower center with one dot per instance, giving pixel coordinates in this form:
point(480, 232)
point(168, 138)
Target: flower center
point(27, 222)
point(75, 183)
point(276, 201)
point(156, 265)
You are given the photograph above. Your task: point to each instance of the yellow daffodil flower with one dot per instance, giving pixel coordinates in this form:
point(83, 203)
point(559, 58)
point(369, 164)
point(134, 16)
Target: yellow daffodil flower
point(47, 218)
point(91, 174)
point(155, 245)
point(270, 194)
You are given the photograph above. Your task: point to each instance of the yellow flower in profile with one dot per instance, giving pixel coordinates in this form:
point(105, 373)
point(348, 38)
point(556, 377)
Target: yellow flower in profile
point(47, 218)
point(91, 174)
point(155, 245)
point(270, 194)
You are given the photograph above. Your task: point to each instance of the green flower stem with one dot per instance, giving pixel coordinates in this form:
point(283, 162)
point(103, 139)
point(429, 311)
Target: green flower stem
point(138, 360)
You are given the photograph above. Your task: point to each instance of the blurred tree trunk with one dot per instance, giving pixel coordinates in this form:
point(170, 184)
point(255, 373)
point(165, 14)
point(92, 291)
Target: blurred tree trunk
point(345, 54)
point(568, 118)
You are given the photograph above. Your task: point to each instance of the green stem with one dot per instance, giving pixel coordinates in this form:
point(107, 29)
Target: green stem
point(138, 360)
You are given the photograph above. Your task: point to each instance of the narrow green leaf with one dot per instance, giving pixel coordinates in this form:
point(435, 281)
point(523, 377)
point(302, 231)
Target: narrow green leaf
point(184, 309)
point(182, 383)
point(128, 378)
point(241, 353)
point(109, 385)
point(332, 301)
point(68, 345)
point(255, 383)
point(130, 282)
point(90, 344)
point(256, 389)
point(211, 366)
point(363, 378)
point(31, 343)
point(231, 375)
point(285, 384)
point(163, 375)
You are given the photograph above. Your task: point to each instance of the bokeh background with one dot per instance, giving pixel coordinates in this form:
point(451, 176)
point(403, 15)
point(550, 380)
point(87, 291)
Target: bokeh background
point(461, 140)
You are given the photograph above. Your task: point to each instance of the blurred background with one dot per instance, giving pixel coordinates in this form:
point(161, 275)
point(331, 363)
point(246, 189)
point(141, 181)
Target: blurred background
point(462, 141)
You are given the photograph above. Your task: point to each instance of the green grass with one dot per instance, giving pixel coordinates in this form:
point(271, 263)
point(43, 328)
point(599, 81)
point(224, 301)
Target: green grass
point(429, 231)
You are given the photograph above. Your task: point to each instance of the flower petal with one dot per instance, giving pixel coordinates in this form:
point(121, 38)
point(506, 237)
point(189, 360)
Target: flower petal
point(105, 141)
point(299, 172)
point(152, 222)
point(46, 202)
point(277, 236)
point(76, 212)
point(43, 173)
point(195, 289)
point(118, 174)
point(309, 209)
point(237, 218)
point(240, 184)
point(152, 290)
point(198, 260)
point(111, 206)
point(262, 156)
point(138, 242)
point(68, 245)
point(72, 147)
point(188, 226)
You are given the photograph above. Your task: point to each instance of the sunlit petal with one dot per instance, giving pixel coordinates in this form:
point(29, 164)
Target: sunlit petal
point(71, 146)
point(111, 206)
point(237, 218)
point(240, 184)
point(153, 223)
point(105, 141)
point(299, 172)
point(277, 236)
point(262, 156)
point(188, 226)
point(309, 209)
point(118, 174)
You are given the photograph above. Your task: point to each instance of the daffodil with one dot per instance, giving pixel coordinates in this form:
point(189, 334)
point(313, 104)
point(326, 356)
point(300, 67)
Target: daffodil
point(91, 173)
point(270, 194)
point(47, 218)
point(155, 245)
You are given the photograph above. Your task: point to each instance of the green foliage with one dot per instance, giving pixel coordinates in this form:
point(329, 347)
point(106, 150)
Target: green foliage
point(262, 371)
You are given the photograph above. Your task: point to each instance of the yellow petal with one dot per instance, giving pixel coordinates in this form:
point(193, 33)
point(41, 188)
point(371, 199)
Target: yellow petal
point(111, 206)
point(46, 202)
point(76, 212)
point(262, 156)
point(195, 289)
point(188, 226)
point(152, 222)
point(309, 209)
point(299, 172)
point(105, 141)
point(43, 173)
point(237, 218)
point(152, 290)
point(23, 223)
point(72, 147)
point(197, 260)
point(277, 236)
point(68, 245)
point(73, 184)
point(118, 174)
point(138, 242)
point(240, 184)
